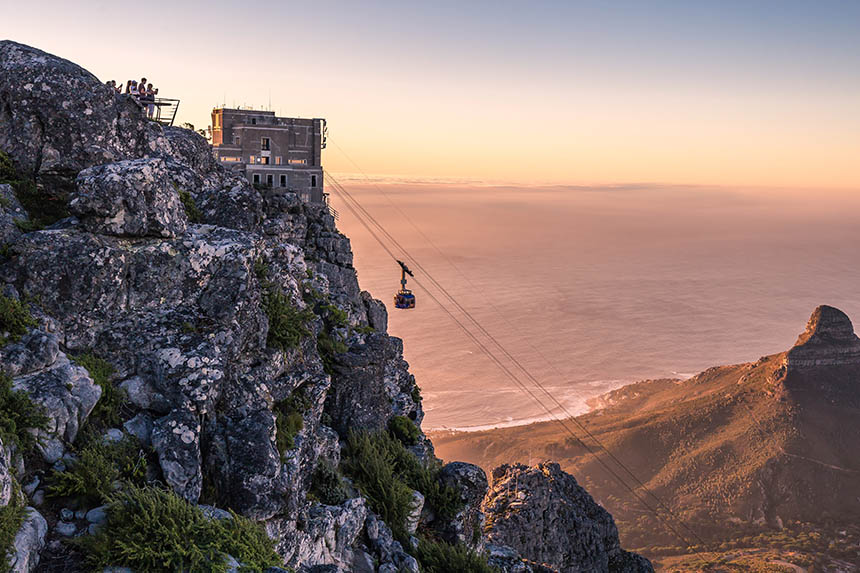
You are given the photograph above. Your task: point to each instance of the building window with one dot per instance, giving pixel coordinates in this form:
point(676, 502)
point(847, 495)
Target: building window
point(264, 160)
point(252, 159)
point(269, 180)
point(283, 180)
point(265, 144)
point(298, 161)
point(253, 121)
point(237, 140)
point(278, 160)
point(230, 159)
point(256, 178)
point(313, 180)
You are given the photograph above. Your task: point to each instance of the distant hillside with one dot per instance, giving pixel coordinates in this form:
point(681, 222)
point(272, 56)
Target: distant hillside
point(749, 449)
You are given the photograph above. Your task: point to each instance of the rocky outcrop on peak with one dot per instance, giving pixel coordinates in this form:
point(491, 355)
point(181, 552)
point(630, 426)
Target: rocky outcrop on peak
point(543, 513)
point(228, 335)
point(828, 340)
point(59, 119)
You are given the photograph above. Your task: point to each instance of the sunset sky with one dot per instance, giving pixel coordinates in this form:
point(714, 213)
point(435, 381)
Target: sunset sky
point(740, 93)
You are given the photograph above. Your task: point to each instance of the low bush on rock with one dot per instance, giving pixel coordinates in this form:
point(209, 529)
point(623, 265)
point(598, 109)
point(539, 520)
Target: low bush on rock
point(17, 414)
point(7, 169)
point(191, 211)
point(386, 473)
point(287, 322)
point(441, 557)
point(11, 518)
point(42, 208)
point(150, 529)
point(101, 466)
point(404, 430)
point(108, 410)
point(15, 319)
point(327, 485)
point(289, 420)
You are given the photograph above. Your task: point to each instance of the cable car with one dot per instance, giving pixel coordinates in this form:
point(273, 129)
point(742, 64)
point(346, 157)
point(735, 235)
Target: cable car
point(404, 297)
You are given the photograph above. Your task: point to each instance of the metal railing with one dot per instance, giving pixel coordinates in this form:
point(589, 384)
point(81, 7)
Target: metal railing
point(165, 110)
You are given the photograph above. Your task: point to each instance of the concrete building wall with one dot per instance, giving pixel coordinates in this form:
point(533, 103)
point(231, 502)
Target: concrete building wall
point(276, 151)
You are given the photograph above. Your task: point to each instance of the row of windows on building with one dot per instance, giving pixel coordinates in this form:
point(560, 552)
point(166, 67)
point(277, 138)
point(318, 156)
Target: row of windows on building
point(283, 180)
point(263, 160)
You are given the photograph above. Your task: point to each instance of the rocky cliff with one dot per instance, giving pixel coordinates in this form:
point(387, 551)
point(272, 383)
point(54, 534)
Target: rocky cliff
point(175, 343)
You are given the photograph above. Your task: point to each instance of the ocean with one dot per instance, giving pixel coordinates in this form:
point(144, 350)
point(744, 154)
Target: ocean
point(591, 288)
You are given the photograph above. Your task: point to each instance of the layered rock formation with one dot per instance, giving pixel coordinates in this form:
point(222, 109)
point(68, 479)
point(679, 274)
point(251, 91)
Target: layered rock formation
point(542, 512)
point(225, 315)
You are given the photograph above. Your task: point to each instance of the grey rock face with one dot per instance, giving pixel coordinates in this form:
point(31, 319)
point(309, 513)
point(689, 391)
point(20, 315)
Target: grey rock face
point(377, 315)
point(6, 473)
point(133, 198)
point(357, 399)
point(28, 543)
point(545, 515)
point(59, 119)
point(10, 211)
point(67, 395)
point(326, 534)
point(467, 526)
point(175, 438)
point(35, 351)
point(507, 560)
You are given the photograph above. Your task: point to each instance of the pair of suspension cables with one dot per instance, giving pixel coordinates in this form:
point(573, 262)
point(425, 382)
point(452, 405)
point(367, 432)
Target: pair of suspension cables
point(501, 357)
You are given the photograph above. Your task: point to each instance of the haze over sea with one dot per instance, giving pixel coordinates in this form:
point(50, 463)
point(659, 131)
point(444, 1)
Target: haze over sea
point(593, 288)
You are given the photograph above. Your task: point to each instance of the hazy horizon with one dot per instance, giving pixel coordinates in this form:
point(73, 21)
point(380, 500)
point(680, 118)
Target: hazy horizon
point(592, 289)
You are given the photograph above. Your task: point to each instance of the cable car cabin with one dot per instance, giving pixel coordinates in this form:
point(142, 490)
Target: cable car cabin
point(404, 297)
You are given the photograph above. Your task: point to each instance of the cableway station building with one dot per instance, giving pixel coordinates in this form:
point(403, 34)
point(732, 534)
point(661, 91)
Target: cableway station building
point(274, 152)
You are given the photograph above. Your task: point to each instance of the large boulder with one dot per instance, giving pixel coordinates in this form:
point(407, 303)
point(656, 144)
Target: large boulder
point(58, 118)
point(134, 198)
point(547, 517)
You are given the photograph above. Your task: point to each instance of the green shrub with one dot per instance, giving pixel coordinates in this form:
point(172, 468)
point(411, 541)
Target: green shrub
point(43, 208)
point(15, 319)
point(372, 463)
point(441, 557)
point(404, 430)
point(11, 518)
point(327, 484)
point(386, 472)
point(289, 420)
point(17, 414)
point(99, 465)
point(107, 411)
point(191, 211)
point(186, 539)
point(416, 394)
point(7, 170)
point(329, 347)
point(287, 323)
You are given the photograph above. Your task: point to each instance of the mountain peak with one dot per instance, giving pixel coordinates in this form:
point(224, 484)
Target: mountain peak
point(829, 339)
